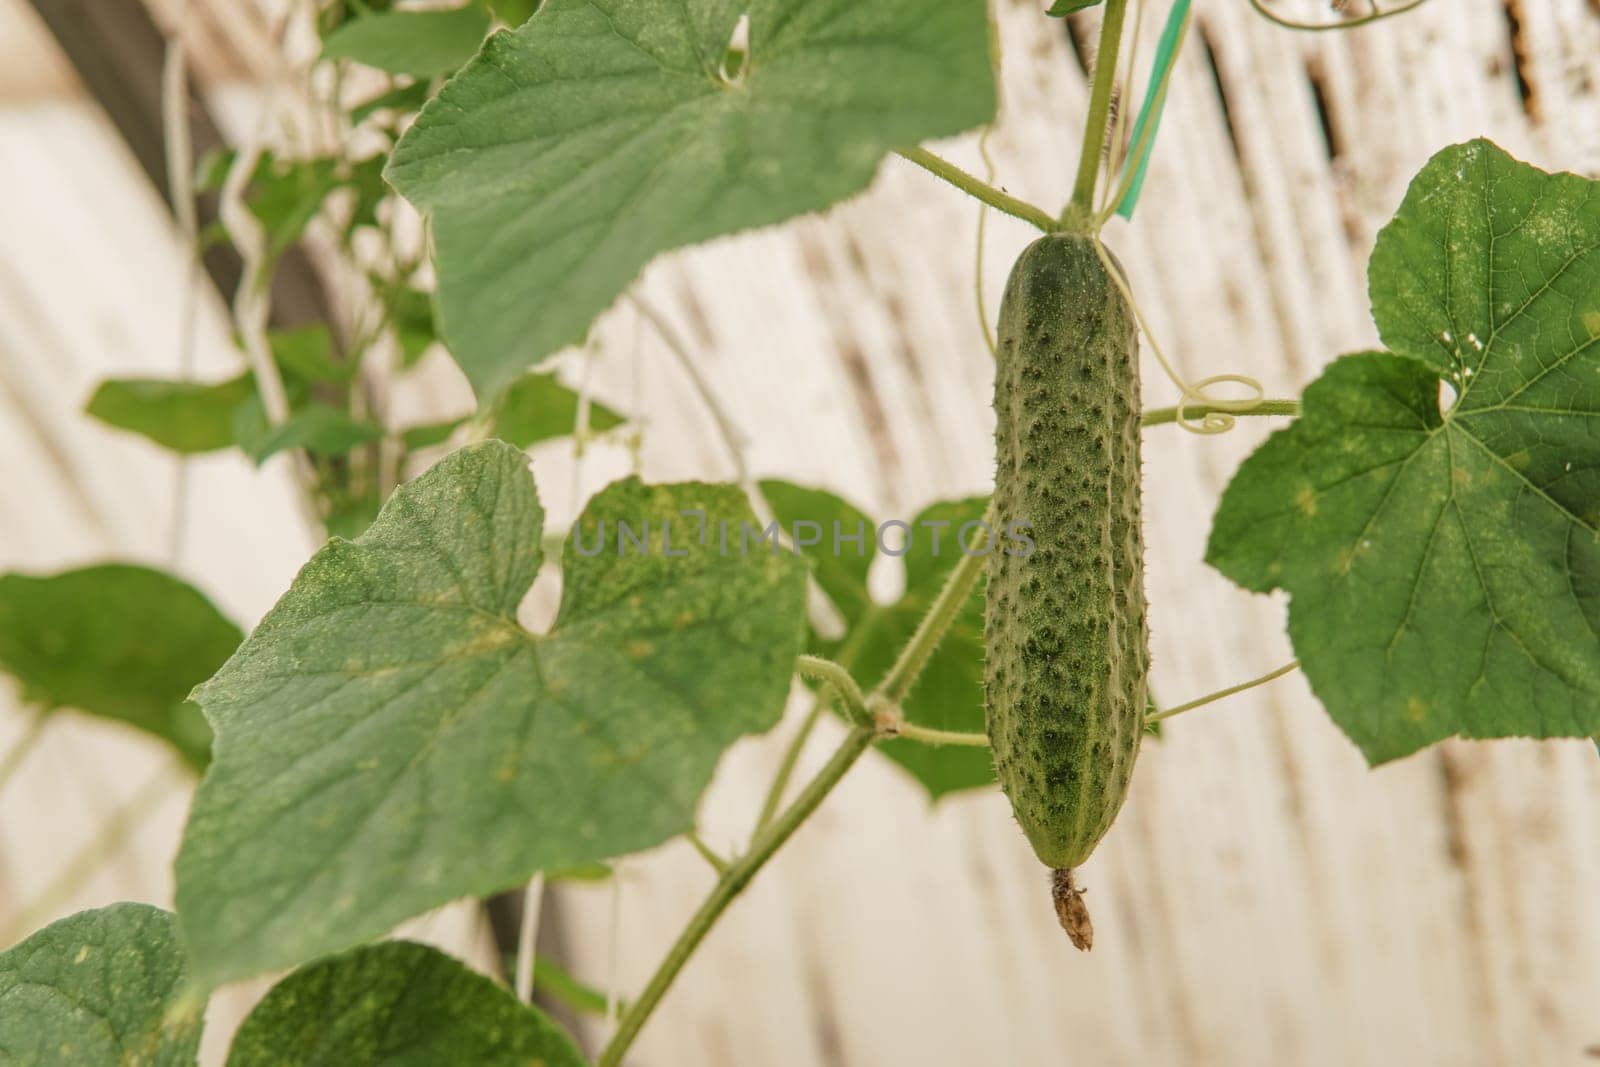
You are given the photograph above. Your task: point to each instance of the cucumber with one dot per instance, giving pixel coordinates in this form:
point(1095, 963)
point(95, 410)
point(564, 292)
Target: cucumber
point(1065, 628)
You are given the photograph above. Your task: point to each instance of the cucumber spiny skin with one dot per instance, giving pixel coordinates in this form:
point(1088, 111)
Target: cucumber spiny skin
point(1065, 628)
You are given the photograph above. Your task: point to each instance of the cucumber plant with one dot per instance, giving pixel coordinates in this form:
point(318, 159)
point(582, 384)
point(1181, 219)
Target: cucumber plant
point(391, 738)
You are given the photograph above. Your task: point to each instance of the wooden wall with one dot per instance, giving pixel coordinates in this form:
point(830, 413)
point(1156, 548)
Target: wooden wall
point(1264, 899)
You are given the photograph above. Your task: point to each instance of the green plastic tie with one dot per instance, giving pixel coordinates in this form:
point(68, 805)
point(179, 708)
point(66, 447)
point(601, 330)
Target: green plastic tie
point(1155, 99)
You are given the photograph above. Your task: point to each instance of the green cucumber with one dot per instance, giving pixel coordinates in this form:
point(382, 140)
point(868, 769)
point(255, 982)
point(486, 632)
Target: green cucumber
point(1065, 629)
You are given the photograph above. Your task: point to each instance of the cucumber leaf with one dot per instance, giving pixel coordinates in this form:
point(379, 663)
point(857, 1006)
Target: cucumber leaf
point(1062, 8)
point(119, 641)
point(537, 408)
point(187, 417)
point(397, 1004)
point(390, 738)
point(402, 101)
point(1442, 552)
point(99, 987)
point(428, 434)
point(576, 147)
point(949, 693)
point(285, 195)
point(411, 42)
point(319, 428)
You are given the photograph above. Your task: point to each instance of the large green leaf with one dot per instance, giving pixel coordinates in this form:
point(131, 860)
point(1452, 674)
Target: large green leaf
point(97, 989)
point(411, 42)
point(117, 640)
point(390, 738)
point(397, 1004)
point(184, 416)
point(575, 148)
point(1443, 557)
point(949, 693)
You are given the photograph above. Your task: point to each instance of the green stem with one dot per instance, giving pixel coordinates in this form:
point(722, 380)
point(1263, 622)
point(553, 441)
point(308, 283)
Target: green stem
point(772, 835)
point(791, 755)
point(818, 669)
point(973, 186)
point(1162, 416)
point(1080, 210)
point(927, 735)
point(728, 888)
point(896, 685)
point(707, 853)
point(1220, 693)
point(18, 753)
point(791, 759)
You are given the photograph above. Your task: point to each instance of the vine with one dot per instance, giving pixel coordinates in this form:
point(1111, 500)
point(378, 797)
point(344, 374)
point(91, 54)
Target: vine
point(400, 643)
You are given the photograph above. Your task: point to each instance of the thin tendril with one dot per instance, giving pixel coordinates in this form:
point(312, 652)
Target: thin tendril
point(1211, 698)
point(983, 208)
point(1219, 414)
point(983, 219)
point(1376, 15)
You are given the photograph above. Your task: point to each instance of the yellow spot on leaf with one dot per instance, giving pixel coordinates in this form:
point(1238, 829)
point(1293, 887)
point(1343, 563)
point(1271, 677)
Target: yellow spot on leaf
point(489, 639)
point(1591, 322)
point(640, 649)
point(83, 954)
point(685, 619)
point(1306, 500)
point(1416, 710)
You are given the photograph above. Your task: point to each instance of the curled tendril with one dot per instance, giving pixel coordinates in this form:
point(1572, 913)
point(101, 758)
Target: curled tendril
point(1376, 14)
point(1218, 416)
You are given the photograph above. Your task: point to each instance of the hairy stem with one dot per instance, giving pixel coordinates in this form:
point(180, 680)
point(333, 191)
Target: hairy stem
point(896, 685)
point(818, 669)
point(927, 735)
point(771, 836)
point(1162, 416)
point(974, 186)
point(1080, 210)
point(728, 888)
point(1220, 693)
point(791, 759)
